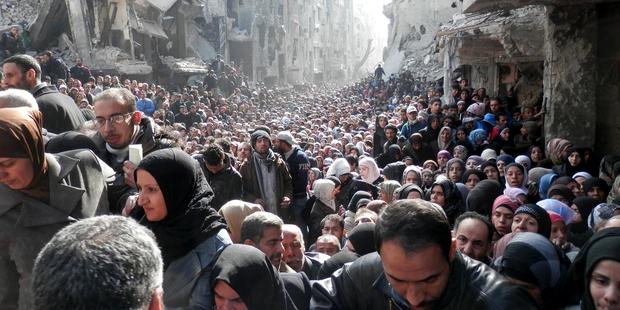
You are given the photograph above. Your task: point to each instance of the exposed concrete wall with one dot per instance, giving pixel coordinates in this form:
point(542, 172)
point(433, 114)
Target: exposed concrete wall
point(570, 73)
point(608, 91)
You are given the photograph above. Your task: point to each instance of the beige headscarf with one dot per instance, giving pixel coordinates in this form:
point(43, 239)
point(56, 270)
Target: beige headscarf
point(234, 212)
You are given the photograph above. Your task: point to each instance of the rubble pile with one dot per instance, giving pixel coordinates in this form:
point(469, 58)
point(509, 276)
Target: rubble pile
point(13, 12)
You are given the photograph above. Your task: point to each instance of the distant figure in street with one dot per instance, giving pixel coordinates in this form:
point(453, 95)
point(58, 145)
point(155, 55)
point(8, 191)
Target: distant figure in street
point(379, 73)
point(80, 71)
point(11, 43)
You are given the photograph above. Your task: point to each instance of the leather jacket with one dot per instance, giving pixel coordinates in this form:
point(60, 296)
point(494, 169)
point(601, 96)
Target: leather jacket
point(471, 285)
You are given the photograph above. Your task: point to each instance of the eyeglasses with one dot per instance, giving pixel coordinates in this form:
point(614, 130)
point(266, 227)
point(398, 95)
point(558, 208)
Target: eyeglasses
point(114, 120)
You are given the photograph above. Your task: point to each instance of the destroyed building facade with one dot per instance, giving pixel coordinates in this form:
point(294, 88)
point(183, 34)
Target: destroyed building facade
point(273, 41)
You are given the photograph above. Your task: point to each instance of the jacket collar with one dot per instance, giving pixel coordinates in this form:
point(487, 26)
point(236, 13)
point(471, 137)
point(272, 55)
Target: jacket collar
point(63, 198)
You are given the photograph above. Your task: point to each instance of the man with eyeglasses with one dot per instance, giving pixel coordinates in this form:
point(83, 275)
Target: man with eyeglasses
point(119, 125)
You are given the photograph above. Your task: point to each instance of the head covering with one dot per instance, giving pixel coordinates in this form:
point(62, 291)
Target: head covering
point(287, 137)
point(532, 258)
point(505, 158)
point(524, 161)
point(444, 153)
point(505, 201)
point(323, 190)
point(455, 161)
point(605, 244)
point(189, 220)
point(601, 212)
point(373, 170)
point(477, 109)
point(523, 185)
point(415, 169)
point(394, 171)
point(463, 150)
point(235, 211)
point(562, 190)
point(582, 174)
point(613, 193)
point(388, 187)
point(545, 183)
point(70, 140)
point(453, 199)
point(480, 199)
point(556, 148)
point(406, 189)
point(559, 208)
point(443, 145)
point(541, 216)
point(514, 192)
point(20, 137)
point(359, 195)
point(316, 172)
point(477, 136)
point(488, 154)
point(259, 134)
point(536, 173)
point(606, 169)
point(339, 167)
point(250, 273)
point(362, 237)
point(595, 182)
point(478, 160)
point(469, 172)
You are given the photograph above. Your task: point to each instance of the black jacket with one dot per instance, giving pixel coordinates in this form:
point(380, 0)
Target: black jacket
point(60, 113)
point(362, 285)
point(298, 166)
point(56, 69)
point(226, 184)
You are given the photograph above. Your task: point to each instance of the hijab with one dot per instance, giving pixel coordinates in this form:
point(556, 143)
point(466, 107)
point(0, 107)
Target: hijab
point(190, 219)
point(603, 245)
point(323, 190)
point(444, 145)
point(556, 148)
point(613, 193)
point(373, 170)
point(523, 185)
point(453, 200)
point(21, 137)
point(481, 198)
point(235, 211)
point(406, 189)
point(541, 216)
point(552, 205)
point(250, 273)
point(362, 237)
point(355, 199)
point(545, 183)
point(603, 211)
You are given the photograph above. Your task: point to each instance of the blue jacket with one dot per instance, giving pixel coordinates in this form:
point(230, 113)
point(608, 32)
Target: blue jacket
point(408, 129)
point(146, 106)
point(298, 166)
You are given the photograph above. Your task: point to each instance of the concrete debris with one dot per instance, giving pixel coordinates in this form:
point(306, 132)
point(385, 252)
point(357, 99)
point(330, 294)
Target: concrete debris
point(13, 12)
point(187, 65)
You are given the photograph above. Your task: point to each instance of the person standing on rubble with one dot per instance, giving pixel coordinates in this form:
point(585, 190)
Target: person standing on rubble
point(53, 67)
point(11, 43)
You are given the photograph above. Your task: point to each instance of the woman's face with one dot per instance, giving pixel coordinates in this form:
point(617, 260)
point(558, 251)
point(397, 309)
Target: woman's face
point(524, 223)
point(574, 159)
point(445, 136)
point(411, 178)
point(459, 153)
point(502, 220)
point(514, 176)
point(442, 160)
point(577, 218)
point(382, 122)
point(455, 172)
point(491, 173)
point(150, 198)
point(226, 298)
point(500, 166)
point(536, 154)
point(437, 195)
point(364, 171)
point(16, 173)
point(461, 135)
point(605, 284)
point(471, 181)
point(470, 164)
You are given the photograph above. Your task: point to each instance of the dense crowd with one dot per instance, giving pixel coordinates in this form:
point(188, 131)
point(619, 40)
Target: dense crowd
point(383, 194)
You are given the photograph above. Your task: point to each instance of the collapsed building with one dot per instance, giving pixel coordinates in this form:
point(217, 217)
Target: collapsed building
point(272, 41)
point(563, 55)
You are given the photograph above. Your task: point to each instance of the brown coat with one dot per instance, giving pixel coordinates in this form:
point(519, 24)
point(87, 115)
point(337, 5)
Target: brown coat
point(284, 185)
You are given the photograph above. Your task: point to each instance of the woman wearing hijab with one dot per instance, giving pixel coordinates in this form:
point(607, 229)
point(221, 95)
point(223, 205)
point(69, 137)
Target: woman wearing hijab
point(244, 278)
point(596, 188)
point(325, 204)
point(444, 141)
point(445, 193)
point(532, 261)
point(527, 218)
point(41, 193)
point(516, 176)
point(578, 230)
point(501, 162)
point(572, 162)
point(461, 152)
point(502, 215)
point(471, 177)
point(596, 271)
point(393, 154)
point(454, 169)
point(175, 197)
point(369, 172)
point(410, 191)
point(386, 190)
point(412, 175)
point(480, 199)
point(234, 212)
point(478, 138)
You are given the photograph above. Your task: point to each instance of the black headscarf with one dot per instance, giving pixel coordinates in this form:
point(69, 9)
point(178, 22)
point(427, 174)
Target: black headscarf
point(356, 198)
point(604, 244)
point(541, 216)
point(363, 238)
point(250, 273)
point(406, 189)
point(454, 205)
point(190, 219)
point(482, 196)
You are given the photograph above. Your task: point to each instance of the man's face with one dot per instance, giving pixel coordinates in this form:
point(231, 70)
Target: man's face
point(14, 78)
point(419, 277)
point(271, 245)
point(494, 106)
point(262, 145)
point(327, 247)
point(412, 117)
point(293, 250)
point(332, 228)
point(390, 134)
point(471, 239)
point(116, 135)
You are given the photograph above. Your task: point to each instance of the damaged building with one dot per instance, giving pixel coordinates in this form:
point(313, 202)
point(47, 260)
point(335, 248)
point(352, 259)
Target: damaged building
point(272, 41)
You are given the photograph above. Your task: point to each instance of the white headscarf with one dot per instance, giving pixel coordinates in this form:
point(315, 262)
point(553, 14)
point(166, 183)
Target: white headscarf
point(373, 170)
point(323, 189)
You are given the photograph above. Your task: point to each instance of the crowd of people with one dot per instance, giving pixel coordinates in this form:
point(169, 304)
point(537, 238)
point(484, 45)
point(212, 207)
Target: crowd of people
point(379, 195)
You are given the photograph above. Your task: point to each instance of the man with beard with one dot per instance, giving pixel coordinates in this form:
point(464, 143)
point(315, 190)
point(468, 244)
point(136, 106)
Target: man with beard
point(295, 255)
point(417, 267)
point(60, 113)
point(298, 166)
point(263, 230)
point(266, 180)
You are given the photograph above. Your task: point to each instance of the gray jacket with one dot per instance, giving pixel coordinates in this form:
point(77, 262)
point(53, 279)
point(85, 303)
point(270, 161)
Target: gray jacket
point(77, 189)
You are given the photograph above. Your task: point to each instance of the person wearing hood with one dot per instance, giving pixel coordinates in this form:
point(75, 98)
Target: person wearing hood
point(325, 204)
point(266, 178)
point(244, 278)
point(361, 241)
point(572, 162)
point(578, 230)
point(446, 194)
point(174, 202)
point(502, 215)
point(595, 273)
point(221, 175)
point(393, 154)
point(455, 169)
point(369, 172)
point(412, 175)
point(41, 193)
point(501, 162)
point(379, 137)
point(596, 188)
point(234, 212)
point(416, 149)
point(471, 177)
point(516, 176)
point(444, 141)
